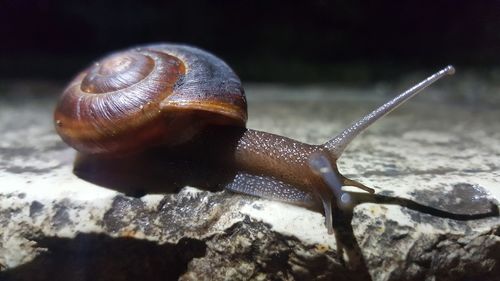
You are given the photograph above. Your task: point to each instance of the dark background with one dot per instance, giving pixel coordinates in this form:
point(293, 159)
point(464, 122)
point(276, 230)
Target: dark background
point(302, 41)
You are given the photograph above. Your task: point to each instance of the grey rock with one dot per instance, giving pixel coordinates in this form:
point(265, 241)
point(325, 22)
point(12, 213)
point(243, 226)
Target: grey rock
point(434, 165)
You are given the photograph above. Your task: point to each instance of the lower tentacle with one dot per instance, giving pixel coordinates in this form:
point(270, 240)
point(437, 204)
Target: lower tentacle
point(327, 206)
point(349, 182)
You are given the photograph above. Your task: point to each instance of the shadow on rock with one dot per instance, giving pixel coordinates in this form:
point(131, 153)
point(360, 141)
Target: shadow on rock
point(100, 257)
point(158, 171)
point(479, 210)
point(347, 245)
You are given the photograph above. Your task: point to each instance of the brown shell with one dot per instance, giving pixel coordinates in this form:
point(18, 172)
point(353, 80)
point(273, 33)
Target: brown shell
point(146, 96)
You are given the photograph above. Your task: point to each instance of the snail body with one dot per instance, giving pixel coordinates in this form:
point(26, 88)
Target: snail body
point(168, 95)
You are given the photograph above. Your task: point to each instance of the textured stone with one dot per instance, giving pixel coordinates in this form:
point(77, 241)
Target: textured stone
point(434, 165)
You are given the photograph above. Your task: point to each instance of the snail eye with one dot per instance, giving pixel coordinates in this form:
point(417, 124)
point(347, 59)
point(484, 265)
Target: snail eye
point(320, 165)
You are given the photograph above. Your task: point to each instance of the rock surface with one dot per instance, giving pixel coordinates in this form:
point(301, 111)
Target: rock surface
point(435, 166)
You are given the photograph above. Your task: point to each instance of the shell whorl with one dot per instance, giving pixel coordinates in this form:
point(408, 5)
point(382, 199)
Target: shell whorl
point(147, 96)
point(117, 72)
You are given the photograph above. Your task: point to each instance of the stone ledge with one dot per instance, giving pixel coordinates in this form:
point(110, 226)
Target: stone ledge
point(434, 215)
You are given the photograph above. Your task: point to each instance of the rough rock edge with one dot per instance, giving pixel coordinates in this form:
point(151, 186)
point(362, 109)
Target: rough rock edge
point(241, 246)
point(426, 247)
point(35, 229)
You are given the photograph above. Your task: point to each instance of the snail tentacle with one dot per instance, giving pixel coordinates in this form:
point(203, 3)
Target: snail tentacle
point(338, 144)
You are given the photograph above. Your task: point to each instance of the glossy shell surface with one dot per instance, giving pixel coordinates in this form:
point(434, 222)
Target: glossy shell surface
point(146, 96)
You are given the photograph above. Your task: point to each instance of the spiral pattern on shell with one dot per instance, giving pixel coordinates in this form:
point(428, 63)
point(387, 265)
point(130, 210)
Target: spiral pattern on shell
point(151, 95)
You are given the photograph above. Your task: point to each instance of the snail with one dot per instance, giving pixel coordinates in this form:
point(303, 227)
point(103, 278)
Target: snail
point(165, 95)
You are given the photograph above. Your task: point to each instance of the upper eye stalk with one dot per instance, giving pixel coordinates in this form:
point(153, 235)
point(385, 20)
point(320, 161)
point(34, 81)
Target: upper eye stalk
point(332, 179)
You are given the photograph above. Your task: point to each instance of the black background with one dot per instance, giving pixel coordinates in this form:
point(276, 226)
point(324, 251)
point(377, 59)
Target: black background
point(286, 41)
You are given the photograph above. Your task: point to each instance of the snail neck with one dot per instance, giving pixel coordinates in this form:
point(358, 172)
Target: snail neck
point(263, 154)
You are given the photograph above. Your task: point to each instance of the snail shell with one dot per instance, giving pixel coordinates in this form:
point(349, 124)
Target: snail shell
point(146, 96)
